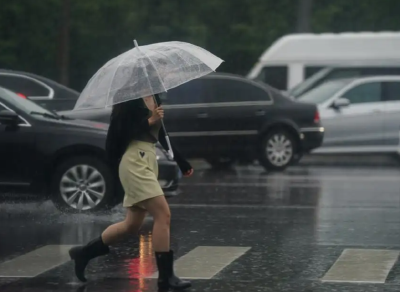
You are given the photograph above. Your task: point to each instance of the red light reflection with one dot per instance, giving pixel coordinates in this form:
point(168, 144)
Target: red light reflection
point(142, 266)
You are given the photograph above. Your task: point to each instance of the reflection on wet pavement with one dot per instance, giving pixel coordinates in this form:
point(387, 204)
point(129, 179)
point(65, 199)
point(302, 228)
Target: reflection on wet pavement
point(297, 224)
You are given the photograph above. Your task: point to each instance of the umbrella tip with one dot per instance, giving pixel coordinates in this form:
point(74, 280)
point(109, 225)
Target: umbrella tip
point(136, 44)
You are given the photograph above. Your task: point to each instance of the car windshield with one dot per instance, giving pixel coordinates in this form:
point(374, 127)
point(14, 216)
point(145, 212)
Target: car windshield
point(23, 104)
point(304, 86)
point(323, 92)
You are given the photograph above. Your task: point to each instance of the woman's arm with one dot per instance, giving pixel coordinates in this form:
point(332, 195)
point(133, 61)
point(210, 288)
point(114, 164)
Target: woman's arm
point(183, 164)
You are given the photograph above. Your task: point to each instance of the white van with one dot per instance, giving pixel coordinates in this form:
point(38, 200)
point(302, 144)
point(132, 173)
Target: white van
point(294, 58)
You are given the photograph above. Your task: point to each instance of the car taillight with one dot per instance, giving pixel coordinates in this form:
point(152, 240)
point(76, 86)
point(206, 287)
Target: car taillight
point(21, 95)
point(316, 117)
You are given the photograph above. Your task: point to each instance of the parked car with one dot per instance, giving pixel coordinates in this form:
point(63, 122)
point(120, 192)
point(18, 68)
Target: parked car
point(341, 72)
point(43, 91)
point(44, 154)
point(294, 58)
point(223, 118)
point(359, 115)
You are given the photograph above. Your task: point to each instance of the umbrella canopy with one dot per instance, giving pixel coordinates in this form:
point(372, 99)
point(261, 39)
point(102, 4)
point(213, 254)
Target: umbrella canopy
point(145, 71)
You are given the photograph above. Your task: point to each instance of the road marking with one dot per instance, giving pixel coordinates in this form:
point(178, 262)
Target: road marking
point(362, 266)
point(243, 184)
point(35, 262)
point(204, 262)
point(260, 180)
point(246, 206)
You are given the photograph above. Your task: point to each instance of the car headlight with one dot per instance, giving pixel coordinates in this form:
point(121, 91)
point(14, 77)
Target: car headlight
point(160, 154)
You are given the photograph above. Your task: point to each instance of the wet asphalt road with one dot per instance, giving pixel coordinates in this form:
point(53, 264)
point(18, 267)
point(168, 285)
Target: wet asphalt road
point(296, 225)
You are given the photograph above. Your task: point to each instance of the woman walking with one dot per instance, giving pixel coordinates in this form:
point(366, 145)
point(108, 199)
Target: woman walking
point(135, 127)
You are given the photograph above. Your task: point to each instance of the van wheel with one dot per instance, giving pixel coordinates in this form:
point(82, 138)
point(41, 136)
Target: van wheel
point(82, 185)
point(278, 149)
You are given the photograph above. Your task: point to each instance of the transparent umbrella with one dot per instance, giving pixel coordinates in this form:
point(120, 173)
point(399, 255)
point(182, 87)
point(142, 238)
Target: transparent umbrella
point(145, 71)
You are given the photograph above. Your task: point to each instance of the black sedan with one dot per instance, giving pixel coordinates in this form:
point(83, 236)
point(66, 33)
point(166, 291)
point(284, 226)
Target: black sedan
point(223, 118)
point(46, 155)
point(43, 91)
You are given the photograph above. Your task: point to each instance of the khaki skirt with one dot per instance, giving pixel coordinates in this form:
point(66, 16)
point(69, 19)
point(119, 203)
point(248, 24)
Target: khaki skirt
point(138, 172)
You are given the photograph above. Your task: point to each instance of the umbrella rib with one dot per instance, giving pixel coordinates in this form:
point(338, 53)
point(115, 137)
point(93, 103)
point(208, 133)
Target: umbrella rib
point(151, 62)
point(180, 74)
point(198, 66)
point(112, 79)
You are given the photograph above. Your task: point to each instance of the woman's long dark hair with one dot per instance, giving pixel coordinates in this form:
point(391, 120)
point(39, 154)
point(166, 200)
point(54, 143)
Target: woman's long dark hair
point(118, 136)
point(117, 131)
point(124, 108)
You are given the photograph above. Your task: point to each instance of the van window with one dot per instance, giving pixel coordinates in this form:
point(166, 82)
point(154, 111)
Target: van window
point(337, 73)
point(362, 71)
point(275, 76)
point(373, 71)
point(308, 84)
point(231, 90)
point(311, 70)
point(343, 73)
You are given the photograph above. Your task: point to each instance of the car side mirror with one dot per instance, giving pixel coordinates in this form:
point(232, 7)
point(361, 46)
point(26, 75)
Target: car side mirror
point(341, 102)
point(8, 118)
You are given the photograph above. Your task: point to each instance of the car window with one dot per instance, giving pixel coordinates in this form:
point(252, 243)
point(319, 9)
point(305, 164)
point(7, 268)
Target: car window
point(22, 85)
point(20, 103)
point(364, 93)
point(323, 92)
point(391, 91)
point(188, 93)
point(3, 108)
point(275, 76)
point(233, 90)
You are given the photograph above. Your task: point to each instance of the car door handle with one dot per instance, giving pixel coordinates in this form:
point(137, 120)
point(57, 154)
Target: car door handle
point(260, 113)
point(202, 115)
point(376, 111)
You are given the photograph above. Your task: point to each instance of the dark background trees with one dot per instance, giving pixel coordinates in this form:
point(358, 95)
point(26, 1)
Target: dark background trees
point(67, 40)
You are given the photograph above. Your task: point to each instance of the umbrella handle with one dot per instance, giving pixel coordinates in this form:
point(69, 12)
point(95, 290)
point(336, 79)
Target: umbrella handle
point(170, 152)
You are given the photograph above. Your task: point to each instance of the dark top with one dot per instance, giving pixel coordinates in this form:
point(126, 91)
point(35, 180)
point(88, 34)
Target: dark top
point(150, 136)
point(131, 123)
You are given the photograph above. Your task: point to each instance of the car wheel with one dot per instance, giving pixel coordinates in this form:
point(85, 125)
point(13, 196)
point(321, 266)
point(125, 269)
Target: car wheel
point(277, 150)
point(220, 163)
point(82, 185)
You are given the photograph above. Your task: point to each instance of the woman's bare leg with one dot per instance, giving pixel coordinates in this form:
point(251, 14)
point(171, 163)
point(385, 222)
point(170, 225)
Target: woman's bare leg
point(131, 225)
point(159, 209)
point(99, 246)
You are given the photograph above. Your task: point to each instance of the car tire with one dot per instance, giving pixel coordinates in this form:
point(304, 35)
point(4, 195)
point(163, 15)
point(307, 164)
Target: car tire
point(83, 184)
point(278, 150)
point(218, 163)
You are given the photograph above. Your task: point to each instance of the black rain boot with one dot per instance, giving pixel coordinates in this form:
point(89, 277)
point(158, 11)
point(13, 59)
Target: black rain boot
point(83, 254)
point(166, 276)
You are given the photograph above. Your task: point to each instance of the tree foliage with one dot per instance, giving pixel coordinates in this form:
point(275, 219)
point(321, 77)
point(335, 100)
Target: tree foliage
point(238, 31)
